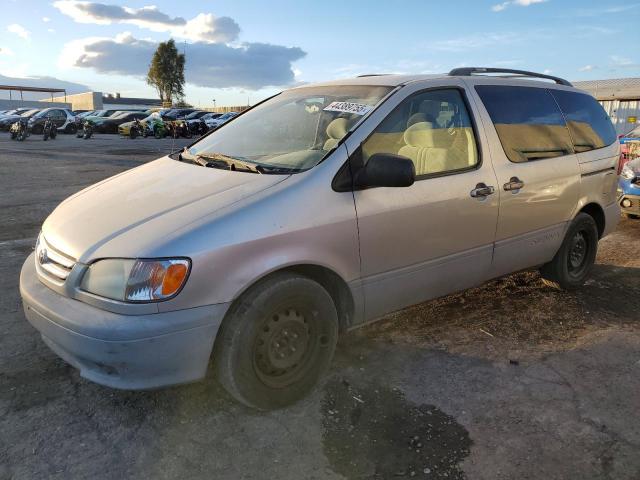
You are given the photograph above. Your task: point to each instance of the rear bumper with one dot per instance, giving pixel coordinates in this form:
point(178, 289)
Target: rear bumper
point(112, 349)
point(611, 218)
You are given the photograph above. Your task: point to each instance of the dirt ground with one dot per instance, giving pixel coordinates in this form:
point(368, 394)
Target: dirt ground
point(511, 380)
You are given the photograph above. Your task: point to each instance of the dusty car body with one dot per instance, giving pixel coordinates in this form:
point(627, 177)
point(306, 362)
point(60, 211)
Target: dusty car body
point(390, 191)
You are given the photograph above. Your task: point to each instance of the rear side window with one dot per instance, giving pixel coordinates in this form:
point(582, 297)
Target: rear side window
point(588, 123)
point(528, 121)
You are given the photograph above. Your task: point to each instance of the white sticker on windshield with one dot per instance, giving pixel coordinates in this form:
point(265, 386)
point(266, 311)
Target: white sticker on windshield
point(348, 107)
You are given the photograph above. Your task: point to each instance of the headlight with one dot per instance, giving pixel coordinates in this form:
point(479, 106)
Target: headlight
point(627, 172)
point(131, 280)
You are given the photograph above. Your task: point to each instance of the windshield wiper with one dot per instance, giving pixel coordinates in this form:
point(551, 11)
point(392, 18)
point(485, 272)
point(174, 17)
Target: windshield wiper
point(274, 170)
point(225, 162)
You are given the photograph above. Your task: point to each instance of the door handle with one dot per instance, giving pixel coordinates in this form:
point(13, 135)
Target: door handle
point(482, 190)
point(514, 184)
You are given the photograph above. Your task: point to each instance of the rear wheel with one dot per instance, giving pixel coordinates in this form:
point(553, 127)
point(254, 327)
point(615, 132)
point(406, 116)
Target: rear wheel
point(277, 341)
point(71, 128)
point(573, 262)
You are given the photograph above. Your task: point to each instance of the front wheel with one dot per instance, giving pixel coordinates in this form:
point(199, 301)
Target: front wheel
point(277, 341)
point(572, 263)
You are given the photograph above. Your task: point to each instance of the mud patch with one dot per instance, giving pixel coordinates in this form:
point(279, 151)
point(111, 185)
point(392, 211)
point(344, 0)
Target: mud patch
point(374, 432)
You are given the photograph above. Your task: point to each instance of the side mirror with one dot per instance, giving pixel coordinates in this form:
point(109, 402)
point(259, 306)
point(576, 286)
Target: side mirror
point(386, 170)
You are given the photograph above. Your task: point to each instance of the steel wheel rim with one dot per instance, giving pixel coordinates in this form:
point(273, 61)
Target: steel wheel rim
point(285, 345)
point(578, 253)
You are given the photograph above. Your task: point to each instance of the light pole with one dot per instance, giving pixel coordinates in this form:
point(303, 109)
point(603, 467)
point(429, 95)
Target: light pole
point(214, 103)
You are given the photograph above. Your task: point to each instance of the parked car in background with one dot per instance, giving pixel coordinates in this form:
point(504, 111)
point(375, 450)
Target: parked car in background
point(98, 115)
point(221, 120)
point(15, 111)
point(111, 124)
point(194, 121)
point(321, 209)
point(176, 113)
point(7, 120)
point(63, 119)
point(629, 189)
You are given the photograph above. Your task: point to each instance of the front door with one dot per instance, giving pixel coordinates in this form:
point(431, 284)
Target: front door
point(436, 236)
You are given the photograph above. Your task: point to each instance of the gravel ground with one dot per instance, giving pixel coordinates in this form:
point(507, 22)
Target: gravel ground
point(511, 380)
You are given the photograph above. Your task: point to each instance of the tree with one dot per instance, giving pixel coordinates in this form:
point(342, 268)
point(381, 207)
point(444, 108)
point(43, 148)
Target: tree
point(166, 72)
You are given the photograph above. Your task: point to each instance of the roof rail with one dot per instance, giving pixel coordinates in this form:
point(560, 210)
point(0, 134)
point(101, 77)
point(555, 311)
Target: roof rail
point(468, 71)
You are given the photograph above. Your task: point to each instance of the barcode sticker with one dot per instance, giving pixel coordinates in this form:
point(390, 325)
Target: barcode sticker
point(348, 107)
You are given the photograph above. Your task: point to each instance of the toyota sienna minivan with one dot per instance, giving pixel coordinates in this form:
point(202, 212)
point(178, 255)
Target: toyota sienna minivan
point(318, 210)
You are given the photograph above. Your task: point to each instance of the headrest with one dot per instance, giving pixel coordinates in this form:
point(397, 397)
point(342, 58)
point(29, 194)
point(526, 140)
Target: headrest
point(420, 134)
point(416, 118)
point(431, 107)
point(337, 128)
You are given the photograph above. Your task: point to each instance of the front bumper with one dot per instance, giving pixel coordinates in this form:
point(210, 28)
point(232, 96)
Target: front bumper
point(634, 208)
point(122, 351)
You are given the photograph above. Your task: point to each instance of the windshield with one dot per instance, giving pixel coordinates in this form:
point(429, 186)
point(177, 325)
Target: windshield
point(293, 130)
point(29, 113)
point(195, 115)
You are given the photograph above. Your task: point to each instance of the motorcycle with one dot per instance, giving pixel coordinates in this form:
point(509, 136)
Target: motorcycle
point(179, 128)
point(19, 130)
point(49, 130)
point(137, 129)
point(158, 128)
point(86, 131)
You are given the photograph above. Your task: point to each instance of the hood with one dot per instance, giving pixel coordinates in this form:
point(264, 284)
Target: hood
point(138, 208)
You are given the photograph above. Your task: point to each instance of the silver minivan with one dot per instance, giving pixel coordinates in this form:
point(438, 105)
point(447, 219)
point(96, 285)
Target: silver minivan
point(320, 209)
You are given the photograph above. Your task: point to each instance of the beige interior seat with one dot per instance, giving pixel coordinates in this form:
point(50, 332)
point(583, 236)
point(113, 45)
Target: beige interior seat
point(421, 147)
point(336, 130)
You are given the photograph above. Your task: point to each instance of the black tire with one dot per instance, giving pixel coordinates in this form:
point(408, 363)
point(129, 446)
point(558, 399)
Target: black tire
point(133, 133)
point(71, 128)
point(53, 134)
point(276, 342)
point(45, 136)
point(572, 263)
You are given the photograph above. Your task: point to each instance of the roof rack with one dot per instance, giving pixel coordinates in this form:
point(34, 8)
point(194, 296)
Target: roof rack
point(468, 71)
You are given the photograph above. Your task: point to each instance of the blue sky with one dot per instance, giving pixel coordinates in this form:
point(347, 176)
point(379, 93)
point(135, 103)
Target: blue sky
point(244, 50)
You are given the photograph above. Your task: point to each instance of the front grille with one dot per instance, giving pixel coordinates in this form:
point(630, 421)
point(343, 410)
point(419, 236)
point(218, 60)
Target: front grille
point(52, 262)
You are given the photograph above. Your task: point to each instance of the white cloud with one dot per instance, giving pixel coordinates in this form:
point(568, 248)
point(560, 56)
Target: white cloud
point(19, 30)
point(462, 44)
point(6, 51)
point(249, 65)
point(520, 3)
point(205, 27)
point(46, 19)
point(587, 68)
point(621, 61)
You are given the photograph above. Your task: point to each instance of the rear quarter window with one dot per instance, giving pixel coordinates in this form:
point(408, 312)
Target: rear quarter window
point(588, 123)
point(528, 122)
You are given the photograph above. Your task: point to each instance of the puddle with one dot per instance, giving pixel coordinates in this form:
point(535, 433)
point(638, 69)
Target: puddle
point(373, 432)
